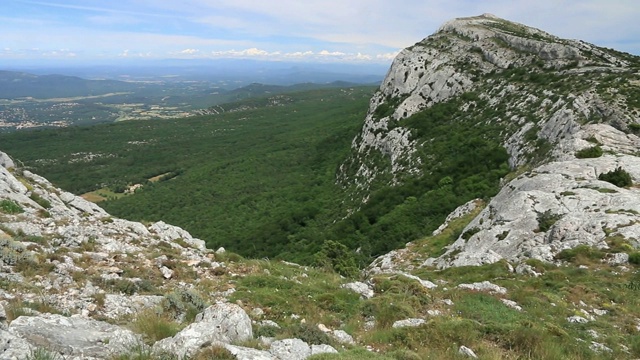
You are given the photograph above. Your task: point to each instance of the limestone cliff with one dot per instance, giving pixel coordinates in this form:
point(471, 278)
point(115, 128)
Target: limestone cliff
point(541, 87)
point(566, 112)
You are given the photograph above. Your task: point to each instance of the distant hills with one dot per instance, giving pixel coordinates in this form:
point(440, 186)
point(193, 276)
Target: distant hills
point(15, 84)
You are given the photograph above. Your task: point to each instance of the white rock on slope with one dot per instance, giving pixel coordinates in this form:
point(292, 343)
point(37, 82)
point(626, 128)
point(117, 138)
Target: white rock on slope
point(221, 323)
point(587, 210)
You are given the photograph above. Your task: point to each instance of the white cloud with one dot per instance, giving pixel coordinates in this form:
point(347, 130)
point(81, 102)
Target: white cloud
point(328, 53)
point(189, 51)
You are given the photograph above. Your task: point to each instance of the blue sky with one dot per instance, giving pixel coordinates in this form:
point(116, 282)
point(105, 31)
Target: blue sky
point(297, 30)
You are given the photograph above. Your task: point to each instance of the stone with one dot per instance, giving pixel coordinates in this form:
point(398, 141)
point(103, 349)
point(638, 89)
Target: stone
point(323, 349)
point(170, 233)
point(5, 161)
point(74, 336)
point(222, 322)
point(117, 306)
point(577, 319)
point(408, 323)
point(484, 286)
point(617, 259)
point(245, 353)
point(598, 347)
point(342, 337)
point(13, 347)
point(425, 283)
point(364, 290)
point(512, 304)
point(166, 272)
point(290, 349)
point(465, 351)
point(269, 323)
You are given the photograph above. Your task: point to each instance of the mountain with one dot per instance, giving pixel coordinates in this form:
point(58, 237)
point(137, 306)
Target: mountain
point(565, 111)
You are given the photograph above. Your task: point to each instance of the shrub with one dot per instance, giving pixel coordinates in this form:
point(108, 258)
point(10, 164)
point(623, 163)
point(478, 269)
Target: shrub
point(40, 201)
point(10, 207)
point(546, 220)
point(634, 258)
point(618, 177)
point(591, 152)
point(580, 252)
point(310, 334)
point(337, 257)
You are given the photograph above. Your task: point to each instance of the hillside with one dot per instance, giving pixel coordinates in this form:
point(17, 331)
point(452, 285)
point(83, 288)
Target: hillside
point(482, 92)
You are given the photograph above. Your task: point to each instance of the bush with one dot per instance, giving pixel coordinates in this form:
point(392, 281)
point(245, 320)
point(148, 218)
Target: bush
point(591, 152)
point(337, 257)
point(634, 258)
point(618, 177)
point(580, 252)
point(546, 220)
point(310, 334)
point(10, 207)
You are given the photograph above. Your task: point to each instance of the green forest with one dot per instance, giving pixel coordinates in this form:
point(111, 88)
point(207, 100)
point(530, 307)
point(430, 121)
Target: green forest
point(260, 180)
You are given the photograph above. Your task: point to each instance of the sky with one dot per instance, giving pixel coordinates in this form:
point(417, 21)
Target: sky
point(353, 31)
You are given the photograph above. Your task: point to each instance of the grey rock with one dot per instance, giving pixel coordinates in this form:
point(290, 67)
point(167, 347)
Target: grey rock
point(5, 161)
point(359, 287)
point(323, 349)
point(223, 322)
point(408, 323)
point(74, 336)
point(598, 347)
point(290, 349)
point(484, 286)
point(269, 323)
point(342, 337)
point(512, 304)
point(577, 319)
point(168, 232)
point(617, 259)
point(425, 283)
point(459, 212)
point(13, 347)
point(245, 353)
point(570, 191)
point(117, 306)
point(465, 351)
point(523, 269)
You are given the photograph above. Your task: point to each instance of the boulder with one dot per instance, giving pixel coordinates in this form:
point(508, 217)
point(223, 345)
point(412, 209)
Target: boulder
point(484, 286)
point(365, 291)
point(290, 349)
point(221, 323)
point(73, 336)
point(13, 347)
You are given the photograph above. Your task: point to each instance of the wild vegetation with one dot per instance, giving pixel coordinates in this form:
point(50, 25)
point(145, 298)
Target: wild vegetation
point(260, 180)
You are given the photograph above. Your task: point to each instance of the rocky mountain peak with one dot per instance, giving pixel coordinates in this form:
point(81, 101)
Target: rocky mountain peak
point(562, 109)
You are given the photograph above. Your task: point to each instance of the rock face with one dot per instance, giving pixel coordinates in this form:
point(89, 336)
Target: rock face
point(565, 113)
point(220, 323)
point(74, 336)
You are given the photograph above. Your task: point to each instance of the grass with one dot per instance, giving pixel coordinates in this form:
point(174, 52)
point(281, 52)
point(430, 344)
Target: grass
point(154, 326)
